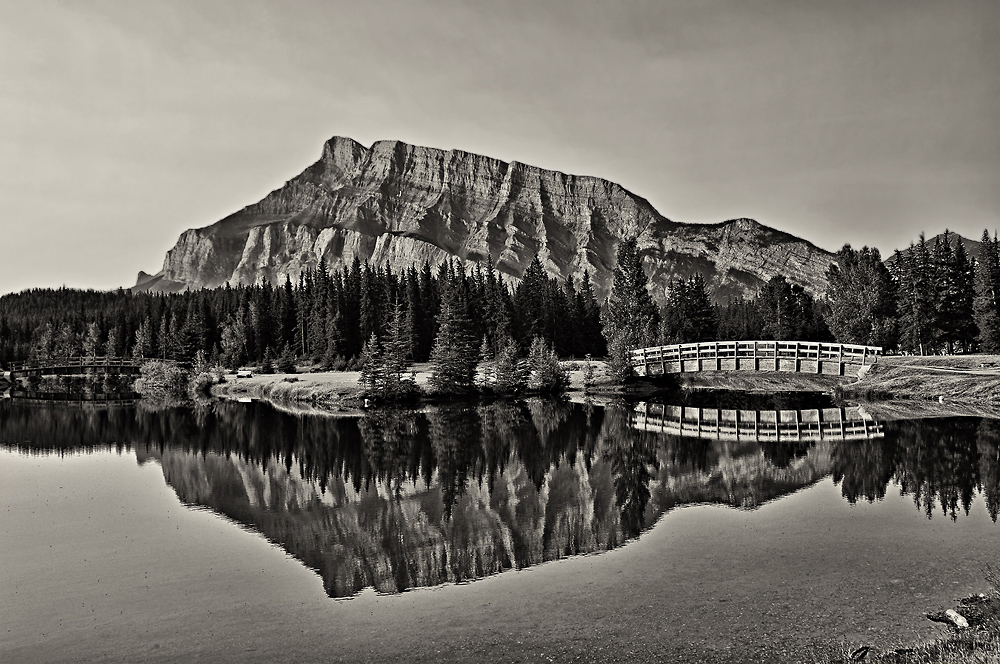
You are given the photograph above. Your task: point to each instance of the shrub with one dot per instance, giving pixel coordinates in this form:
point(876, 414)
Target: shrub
point(620, 359)
point(589, 372)
point(158, 378)
point(546, 373)
point(202, 383)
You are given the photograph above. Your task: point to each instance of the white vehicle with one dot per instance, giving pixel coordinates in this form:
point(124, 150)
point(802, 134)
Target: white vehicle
point(244, 373)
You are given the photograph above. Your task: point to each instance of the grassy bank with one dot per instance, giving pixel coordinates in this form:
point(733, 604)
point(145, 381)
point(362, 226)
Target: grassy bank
point(921, 386)
point(339, 390)
point(972, 380)
point(976, 643)
point(762, 381)
point(330, 390)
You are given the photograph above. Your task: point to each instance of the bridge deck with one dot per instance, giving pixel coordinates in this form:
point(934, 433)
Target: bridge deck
point(70, 366)
point(758, 425)
point(811, 356)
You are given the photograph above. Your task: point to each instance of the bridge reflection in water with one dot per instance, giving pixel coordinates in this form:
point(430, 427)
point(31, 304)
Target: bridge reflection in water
point(399, 499)
point(851, 423)
point(73, 398)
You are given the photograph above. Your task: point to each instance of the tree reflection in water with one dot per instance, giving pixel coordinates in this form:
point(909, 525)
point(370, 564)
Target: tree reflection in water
point(399, 499)
point(940, 462)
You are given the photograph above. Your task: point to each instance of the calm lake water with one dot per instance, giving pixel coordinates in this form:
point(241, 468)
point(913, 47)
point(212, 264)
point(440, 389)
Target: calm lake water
point(238, 532)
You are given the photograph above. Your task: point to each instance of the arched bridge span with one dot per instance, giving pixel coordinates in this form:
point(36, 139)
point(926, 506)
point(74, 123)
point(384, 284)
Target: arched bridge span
point(75, 366)
point(792, 356)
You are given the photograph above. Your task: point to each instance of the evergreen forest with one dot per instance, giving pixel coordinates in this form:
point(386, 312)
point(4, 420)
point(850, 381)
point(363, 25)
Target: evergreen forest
point(931, 298)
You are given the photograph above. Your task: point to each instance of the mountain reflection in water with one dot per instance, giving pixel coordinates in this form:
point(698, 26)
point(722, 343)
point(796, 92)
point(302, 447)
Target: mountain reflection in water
point(400, 499)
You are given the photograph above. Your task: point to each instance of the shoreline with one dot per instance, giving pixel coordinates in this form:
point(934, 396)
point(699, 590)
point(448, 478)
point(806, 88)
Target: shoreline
point(894, 388)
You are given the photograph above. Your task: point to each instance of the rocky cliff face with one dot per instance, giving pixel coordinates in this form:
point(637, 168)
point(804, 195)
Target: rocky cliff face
point(398, 205)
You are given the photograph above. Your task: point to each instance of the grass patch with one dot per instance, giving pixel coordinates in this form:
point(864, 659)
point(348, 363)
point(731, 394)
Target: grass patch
point(951, 378)
point(977, 644)
point(332, 389)
point(762, 381)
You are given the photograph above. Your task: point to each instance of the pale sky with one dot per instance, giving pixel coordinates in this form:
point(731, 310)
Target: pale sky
point(124, 123)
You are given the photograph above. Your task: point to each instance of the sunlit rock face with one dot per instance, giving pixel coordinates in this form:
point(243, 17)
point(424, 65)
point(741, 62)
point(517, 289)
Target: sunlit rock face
point(397, 205)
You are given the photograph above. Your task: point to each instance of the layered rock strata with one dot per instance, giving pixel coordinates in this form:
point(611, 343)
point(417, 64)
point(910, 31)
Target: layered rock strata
point(397, 205)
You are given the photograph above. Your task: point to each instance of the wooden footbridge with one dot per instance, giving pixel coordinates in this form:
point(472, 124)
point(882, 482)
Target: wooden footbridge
point(75, 366)
point(791, 356)
point(71, 398)
point(757, 425)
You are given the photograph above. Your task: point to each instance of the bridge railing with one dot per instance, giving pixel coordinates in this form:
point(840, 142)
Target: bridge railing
point(759, 350)
point(851, 423)
point(81, 361)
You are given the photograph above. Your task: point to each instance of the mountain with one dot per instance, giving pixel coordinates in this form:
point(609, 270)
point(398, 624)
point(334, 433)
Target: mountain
point(398, 205)
point(394, 534)
point(972, 247)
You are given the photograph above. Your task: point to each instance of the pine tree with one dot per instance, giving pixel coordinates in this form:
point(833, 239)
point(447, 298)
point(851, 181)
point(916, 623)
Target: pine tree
point(963, 327)
point(143, 339)
point(590, 319)
point(372, 377)
point(546, 373)
point(92, 340)
point(947, 297)
point(267, 363)
point(920, 332)
point(286, 361)
point(986, 305)
point(688, 315)
point(630, 319)
point(511, 372)
point(455, 353)
point(862, 298)
point(399, 379)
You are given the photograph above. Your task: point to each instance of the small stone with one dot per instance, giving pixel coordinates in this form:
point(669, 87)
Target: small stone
point(957, 618)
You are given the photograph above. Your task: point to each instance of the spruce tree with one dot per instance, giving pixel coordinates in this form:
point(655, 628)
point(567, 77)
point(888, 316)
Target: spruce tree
point(963, 328)
point(372, 377)
point(862, 298)
point(398, 367)
point(267, 362)
point(511, 372)
point(946, 295)
point(546, 373)
point(455, 353)
point(986, 305)
point(286, 360)
point(630, 319)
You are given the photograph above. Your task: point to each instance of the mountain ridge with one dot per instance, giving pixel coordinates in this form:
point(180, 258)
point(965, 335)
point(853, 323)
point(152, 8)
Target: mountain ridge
point(398, 205)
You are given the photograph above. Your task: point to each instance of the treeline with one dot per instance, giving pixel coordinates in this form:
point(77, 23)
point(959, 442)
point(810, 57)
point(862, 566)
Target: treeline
point(780, 311)
point(930, 299)
point(325, 317)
